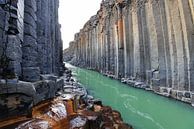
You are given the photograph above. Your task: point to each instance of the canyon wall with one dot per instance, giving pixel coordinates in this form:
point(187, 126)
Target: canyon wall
point(30, 54)
point(30, 38)
point(145, 41)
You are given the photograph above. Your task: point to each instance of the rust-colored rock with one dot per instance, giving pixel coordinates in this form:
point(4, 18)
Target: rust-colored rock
point(68, 111)
point(60, 114)
point(35, 124)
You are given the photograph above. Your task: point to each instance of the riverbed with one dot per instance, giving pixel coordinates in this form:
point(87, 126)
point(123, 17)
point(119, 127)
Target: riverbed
point(142, 109)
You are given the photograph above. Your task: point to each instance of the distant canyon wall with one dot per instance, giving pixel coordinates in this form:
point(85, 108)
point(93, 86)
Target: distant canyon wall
point(150, 41)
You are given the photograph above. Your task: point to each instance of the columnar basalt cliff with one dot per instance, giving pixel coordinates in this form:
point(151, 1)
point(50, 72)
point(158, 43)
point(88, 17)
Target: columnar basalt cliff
point(30, 53)
point(145, 43)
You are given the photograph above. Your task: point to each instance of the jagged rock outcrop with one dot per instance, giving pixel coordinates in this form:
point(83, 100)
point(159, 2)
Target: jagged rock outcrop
point(147, 41)
point(30, 54)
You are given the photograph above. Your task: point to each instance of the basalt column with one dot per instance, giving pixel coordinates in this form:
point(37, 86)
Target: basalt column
point(30, 69)
point(119, 42)
point(49, 37)
point(11, 38)
point(30, 39)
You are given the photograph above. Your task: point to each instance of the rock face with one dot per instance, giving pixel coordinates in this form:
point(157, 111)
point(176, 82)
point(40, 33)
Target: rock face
point(30, 39)
point(70, 53)
point(149, 41)
point(30, 54)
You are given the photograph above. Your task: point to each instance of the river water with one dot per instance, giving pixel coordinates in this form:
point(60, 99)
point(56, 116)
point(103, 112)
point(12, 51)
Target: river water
point(142, 109)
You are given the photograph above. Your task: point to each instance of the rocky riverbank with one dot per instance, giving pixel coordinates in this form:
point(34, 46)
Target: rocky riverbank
point(183, 96)
point(73, 108)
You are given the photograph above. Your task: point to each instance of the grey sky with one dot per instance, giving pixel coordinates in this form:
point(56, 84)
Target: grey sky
point(73, 14)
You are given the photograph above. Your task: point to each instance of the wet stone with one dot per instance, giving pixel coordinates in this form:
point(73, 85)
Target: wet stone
point(57, 112)
point(155, 83)
point(117, 116)
point(106, 109)
point(14, 104)
point(79, 122)
point(187, 95)
point(12, 81)
point(192, 99)
point(173, 94)
point(97, 102)
point(125, 126)
point(180, 94)
point(35, 124)
point(107, 126)
point(48, 77)
point(94, 118)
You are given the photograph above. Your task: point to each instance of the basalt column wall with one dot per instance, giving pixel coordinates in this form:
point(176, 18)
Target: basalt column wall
point(49, 36)
point(30, 39)
point(147, 41)
point(11, 38)
point(30, 54)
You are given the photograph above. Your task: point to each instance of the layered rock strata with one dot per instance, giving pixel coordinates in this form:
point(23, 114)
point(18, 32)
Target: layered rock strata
point(30, 54)
point(144, 41)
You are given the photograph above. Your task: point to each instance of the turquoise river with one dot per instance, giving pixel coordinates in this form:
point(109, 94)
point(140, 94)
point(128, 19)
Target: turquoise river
point(142, 109)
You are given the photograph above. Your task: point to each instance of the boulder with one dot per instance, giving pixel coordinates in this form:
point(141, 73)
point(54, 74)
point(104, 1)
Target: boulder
point(124, 126)
point(192, 99)
point(180, 95)
point(173, 94)
point(187, 94)
point(26, 88)
point(94, 118)
point(49, 77)
point(155, 83)
point(14, 104)
point(79, 122)
point(16, 98)
point(35, 124)
point(45, 90)
point(59, 83)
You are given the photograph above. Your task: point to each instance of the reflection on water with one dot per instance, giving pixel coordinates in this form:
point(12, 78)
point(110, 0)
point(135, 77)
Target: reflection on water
point(140, 108)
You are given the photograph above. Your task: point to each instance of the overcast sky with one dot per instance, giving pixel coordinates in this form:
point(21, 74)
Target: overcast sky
point(73, 14)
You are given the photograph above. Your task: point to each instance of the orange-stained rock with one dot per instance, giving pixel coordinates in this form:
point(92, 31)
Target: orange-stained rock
point(70, 107)
point(117, 117)
point(124, 126)
point(12, 122)
point(48, 114)
point(108, 125)
point(35, 124)
point(68, 112)
point(90, 115)
point(106, 109)
point(97, 108)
